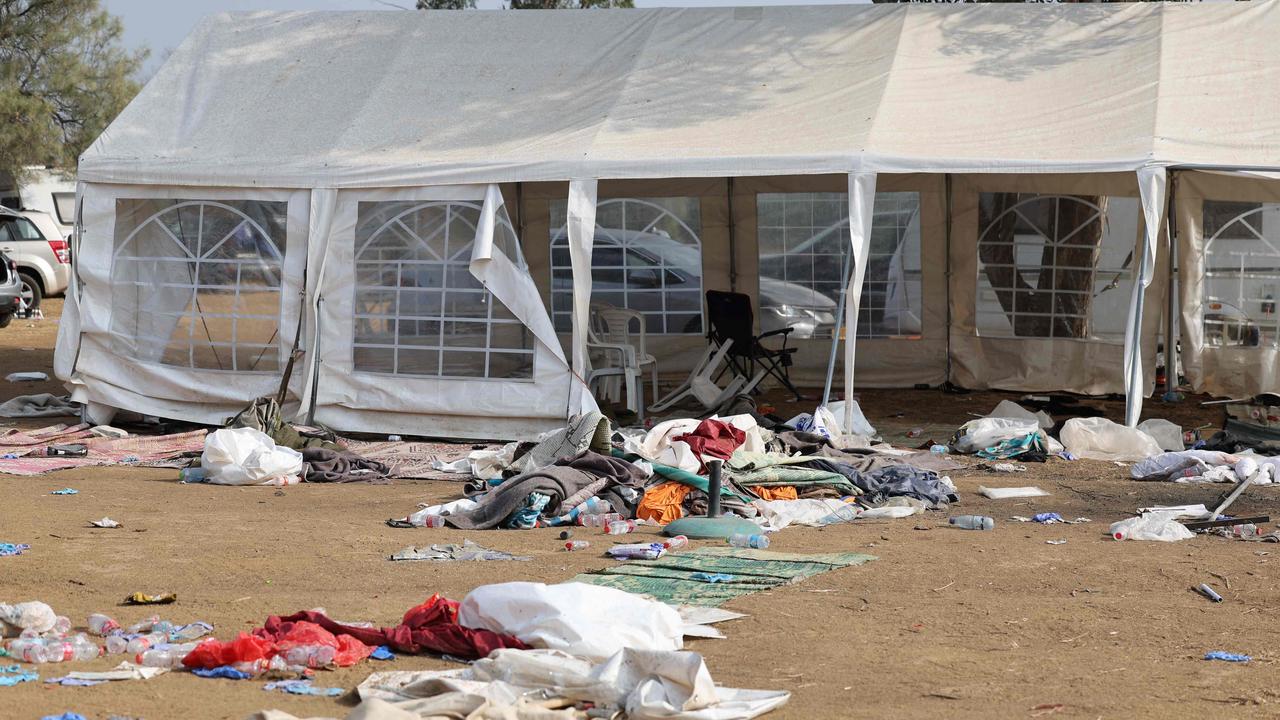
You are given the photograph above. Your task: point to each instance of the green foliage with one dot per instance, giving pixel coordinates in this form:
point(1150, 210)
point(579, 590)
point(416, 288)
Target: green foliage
point(567, 4)
point(446, 4)
point(64, 75)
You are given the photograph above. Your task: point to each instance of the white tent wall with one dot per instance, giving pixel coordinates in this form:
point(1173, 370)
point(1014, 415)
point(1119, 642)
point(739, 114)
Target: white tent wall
point(162, 326)
point(383, 362)
point(1228, 263)
point(1009, 361)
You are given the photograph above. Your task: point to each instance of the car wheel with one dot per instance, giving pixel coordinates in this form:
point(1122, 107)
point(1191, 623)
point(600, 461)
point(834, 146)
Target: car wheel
point(31, 293)
point(5, 320)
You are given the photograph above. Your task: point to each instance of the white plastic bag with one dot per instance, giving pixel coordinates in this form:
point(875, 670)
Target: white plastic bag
point(30, 615)
point(1010, 409)
point(982, 433)
point(1183, 466)
point(1168, 435)
point(1160, 526)
point(245, 456)
point(1098, 438)
point(585, 620)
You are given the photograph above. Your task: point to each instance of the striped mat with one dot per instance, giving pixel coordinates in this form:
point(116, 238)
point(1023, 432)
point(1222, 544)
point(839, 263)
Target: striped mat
point(171, 451)
point(671, 578)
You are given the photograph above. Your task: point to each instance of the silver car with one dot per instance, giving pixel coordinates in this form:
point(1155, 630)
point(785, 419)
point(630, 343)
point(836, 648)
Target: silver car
point(10, 290)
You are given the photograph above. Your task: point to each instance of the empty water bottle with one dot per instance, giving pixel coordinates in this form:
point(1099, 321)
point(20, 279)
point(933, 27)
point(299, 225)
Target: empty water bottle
point(144, 626)
point(1247, 530)
point(576, 545)
point(844, 513)
point(311, 656)
point(117, 643)
point(79, 647)
point(142, 643)
point(30, 650)
point(595, 505)
point(676, 542)
point(743, 540)
point(433, 521)
point(192, 475)
point(973, 522)
point(165, 656)
point(620, 527)
point(938, 449)
point(102, 625)
point(61, 625)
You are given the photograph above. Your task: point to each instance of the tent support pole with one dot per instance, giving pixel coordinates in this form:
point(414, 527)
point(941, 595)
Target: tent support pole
point(947, 204)
point(1171, 359)
point(733, 239)
point(315, 369)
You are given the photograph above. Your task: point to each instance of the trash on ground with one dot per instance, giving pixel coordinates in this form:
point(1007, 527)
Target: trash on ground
point(1208, 592)
point(636, 551)
point(32, 615)
point(1159, 526)
point(1055, 542)
point(8, 549)
point(31, 376)
point(1007, 493)
point(39, 405)
point(1194, 512)
point(382, 652)
point(712, 577)
point(139, 598)
point(972, 522)
point(1227, 657)
point(302, 687)
point(123, 671)
point(105, 522)
point(1098, 438)
point(468, 551)
point(245, 456)
point(11, 675)
point(1002, 467)
point(1048, 518)
point(65, 491)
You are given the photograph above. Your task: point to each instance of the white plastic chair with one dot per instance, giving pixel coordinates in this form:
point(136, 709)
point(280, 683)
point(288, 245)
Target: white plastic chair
point(621, 355)
point(701, 384)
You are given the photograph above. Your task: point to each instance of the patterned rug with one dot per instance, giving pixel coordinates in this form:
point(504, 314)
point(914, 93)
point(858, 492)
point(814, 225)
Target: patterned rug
point(675, 578)
point(172, 451)
point(413, 460)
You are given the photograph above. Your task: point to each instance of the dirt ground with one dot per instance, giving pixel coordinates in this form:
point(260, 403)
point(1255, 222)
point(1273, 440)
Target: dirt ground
point(946, 623)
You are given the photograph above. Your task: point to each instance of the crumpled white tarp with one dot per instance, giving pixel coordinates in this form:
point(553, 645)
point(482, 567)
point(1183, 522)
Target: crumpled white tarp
point(1184, 466)
point(1098, 438)
point(778, 514)
point(983, 433)
point(1010, 409)
point(123, 671)
point(483, 464)
point(526, 684)
point(454, 506)
point(245, 456)
point(588, 621)
point(1166, 434)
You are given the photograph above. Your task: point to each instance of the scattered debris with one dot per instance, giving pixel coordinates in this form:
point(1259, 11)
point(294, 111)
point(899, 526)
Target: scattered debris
point(105, 522)
point(144, 599)
point(302, 687)
point(65, 491)
point(1007, 493)
point(8, 549)
point(33, 376)
point(468, 551)
point(1208, 592)
point(1055, 542)
point(1227, 657)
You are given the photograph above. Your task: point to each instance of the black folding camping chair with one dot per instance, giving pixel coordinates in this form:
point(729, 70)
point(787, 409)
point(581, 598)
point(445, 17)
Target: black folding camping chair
point(732, 321)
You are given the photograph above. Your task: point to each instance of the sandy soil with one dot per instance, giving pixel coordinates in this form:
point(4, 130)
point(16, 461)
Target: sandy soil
point(947, 623)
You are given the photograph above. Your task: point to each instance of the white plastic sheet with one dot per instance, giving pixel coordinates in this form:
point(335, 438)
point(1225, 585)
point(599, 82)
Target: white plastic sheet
point(1159, 526)
point(245, 456)
point(982, 433)
point(584, 620)
point(1167, 434)
point(1098, 438)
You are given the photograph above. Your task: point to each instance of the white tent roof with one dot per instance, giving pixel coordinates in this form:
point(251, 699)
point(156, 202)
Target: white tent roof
point(325, 99)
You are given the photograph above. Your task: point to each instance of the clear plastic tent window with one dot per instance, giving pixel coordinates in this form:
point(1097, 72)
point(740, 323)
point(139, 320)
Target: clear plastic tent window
point(196, 283)
point(1242, 274)
point(803, 251)
point(1055, 266)
point(418, 309)
point(647, 257)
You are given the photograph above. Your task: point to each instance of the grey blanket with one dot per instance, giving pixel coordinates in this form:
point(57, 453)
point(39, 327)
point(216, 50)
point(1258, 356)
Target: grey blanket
point(325, 465)
point(589, 431)
point(41, 405)
point(894, 481)
point(561, 480)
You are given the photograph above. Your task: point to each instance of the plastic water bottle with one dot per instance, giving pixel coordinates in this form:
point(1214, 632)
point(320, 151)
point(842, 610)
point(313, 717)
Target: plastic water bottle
point(973, 522)
point(192, 631)
point(165, 656)
point(676, 542)
point(102, 625)
point(845, 513)
point(433, 521)
point(311, 656)
point(142, 643)
point(117, 643)
point(1247, 530)
point(77, 648)
point(29, 650)
point(938, 449)
point(61, 625)
point(743, 540)
point(143, 626)
point(595, 506)
point(576, 545)
point(193, 475)
point(620, 527)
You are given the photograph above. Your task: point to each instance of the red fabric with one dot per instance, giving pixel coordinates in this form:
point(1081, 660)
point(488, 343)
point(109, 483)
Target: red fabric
point(715, 438)
point(431, 627)
point(214, 653)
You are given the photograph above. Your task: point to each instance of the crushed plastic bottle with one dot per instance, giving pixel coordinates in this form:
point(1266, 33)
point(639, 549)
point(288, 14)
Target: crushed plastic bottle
point(637, 551)
point(143, 643)
point(165, 656)
point(675, 543)
point(598, 519)
point(195, 474)
point(596, 506)
point(118, 643)
point(620, 527)
point(79, 647)
point(743, 540)
point(61, 625)
point(30, 650)
point(1247, 530)
point(102, 625)
point(939, 449)
point(972, 522)
point(144, 626)
point(433, 521)
point(576, 545)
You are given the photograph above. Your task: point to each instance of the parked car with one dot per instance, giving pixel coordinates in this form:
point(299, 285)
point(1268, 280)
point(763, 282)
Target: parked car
point(45, 190)
point(43, 257)
point(10, 290)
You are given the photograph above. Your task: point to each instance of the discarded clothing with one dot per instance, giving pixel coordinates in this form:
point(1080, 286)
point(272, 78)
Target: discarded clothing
point(431, 627)
point(11, 675)
point(662, 503)
point(1226, 656)
point(893, 481)
point(589, 431)
point(466, 552)
point(558, 481)
point(778, 514)
point(303, 687)
point(39, 405)
point(11, 549)
point(526, 516)
point(778, 492)
point(325, 465)
point(715, 438)
point(223, 672)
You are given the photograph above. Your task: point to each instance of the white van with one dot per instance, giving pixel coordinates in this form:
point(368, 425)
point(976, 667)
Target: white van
point(44, 190)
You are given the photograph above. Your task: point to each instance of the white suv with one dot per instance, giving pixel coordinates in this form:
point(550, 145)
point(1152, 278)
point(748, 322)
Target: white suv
point(43, 256)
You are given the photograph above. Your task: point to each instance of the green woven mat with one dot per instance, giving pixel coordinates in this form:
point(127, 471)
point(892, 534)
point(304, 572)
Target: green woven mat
point(670, 578)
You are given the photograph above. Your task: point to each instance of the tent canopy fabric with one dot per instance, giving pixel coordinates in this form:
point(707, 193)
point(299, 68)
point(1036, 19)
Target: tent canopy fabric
point(384, 99)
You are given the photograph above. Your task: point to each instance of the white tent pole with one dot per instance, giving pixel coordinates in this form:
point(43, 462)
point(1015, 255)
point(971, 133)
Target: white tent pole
point(1151, 187)
point(324, 202)
point(581, 230)
point(862, 198)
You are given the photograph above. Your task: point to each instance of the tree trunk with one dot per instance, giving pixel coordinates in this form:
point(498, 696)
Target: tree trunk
point(1059, 303)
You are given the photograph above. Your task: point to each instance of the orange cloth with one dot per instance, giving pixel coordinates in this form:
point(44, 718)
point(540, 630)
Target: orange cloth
point(662, 503)
point(779, 492)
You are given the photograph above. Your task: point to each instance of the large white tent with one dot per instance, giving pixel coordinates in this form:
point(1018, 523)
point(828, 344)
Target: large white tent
point(368, 181)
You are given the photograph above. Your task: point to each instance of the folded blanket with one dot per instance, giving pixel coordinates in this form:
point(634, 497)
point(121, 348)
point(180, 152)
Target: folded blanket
point(324, 465)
